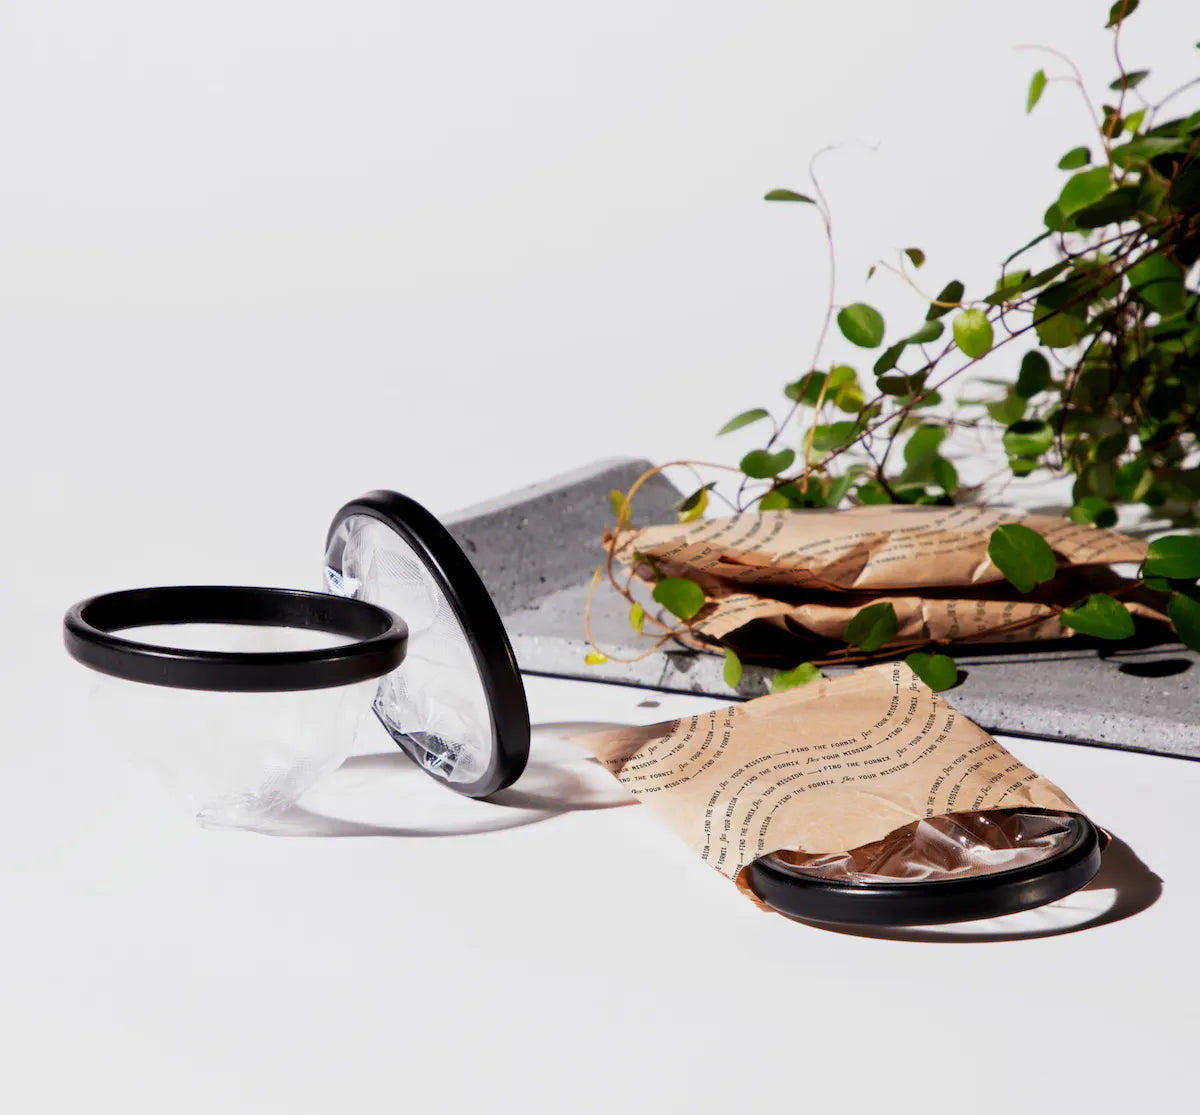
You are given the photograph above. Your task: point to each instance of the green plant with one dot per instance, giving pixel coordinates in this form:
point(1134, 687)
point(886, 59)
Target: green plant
point(1093, 346)
point(1110, 390)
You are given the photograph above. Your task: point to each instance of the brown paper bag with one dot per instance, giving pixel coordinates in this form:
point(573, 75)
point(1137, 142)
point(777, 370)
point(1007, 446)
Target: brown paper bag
point(919, 619)
point(875, 549)
point(827, 767)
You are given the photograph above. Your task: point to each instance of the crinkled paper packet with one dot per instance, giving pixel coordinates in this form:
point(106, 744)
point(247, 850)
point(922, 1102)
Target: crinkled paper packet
point(824, 768)
point(807, 572)
point(865, 549)
point(981, 619)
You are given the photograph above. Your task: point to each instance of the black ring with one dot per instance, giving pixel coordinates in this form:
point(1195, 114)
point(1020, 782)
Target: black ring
point(931, 902)
point(495, 661)
point(381, 638)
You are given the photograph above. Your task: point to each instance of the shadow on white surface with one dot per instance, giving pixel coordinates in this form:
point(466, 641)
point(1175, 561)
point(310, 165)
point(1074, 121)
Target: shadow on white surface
point(386, 794)
point(1124, 886)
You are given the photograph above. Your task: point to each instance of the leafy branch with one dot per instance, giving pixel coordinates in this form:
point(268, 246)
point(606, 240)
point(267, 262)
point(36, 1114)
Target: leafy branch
point(1108, 394)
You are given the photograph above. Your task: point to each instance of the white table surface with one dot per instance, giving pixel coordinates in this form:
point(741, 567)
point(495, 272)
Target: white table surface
point(561, 951)
point(546, 954)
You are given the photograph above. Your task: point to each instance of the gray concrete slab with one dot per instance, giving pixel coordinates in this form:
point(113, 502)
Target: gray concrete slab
point(536, 549)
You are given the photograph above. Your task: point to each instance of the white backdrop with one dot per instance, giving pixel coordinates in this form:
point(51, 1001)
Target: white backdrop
point(454, 248)
point(257, 256)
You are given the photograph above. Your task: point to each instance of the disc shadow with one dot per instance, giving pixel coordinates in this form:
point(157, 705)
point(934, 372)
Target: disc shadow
point(1133, 885)
point(559, 778)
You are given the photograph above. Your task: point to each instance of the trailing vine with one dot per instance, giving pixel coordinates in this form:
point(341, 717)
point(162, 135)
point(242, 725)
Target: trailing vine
point(1091, 334)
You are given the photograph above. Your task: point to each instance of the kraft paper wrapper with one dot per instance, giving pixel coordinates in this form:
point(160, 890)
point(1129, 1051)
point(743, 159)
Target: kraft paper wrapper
point(862, 548)
point(918, 619)
point(827, 767)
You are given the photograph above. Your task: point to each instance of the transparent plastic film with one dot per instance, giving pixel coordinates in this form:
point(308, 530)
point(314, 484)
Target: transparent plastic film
point(954, 846)
point(435, 700)
point(232, 759)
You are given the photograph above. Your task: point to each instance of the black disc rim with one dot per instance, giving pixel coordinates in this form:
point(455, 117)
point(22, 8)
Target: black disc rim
point(930, 902)
point(475, 611)
point(380, 638)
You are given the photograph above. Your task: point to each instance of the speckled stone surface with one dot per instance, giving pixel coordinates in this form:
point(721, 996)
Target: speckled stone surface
point(536, 550)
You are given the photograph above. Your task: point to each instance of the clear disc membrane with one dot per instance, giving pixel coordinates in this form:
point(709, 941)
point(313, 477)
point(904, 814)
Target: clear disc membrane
point(435, 700)
point(954, 846)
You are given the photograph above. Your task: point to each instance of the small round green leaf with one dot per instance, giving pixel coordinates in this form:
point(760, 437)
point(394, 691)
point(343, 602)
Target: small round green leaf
point(1028, 438)
point(696, 504)
point(1110, 447)
point(836, 487)
point(973, 333)
point(1099, 479)
point(871, 494)
point(928, 332)
point(1034, 376)
point(759, 464)
point(1008, 287)
point(897, 385)
point(1022, 555)
point(945, 475)
point(840, 375)
point(1176, 556)
point(872, 627)
point(594, 658)
point(922, 447)
point(1185, 188)
point(1060, 316)
point(743, 419)
point(1037, 85)
point(1041, 278)
point(1100, 616)
point(1159, 283)
point(1134, 120)
point(807, 389)
point(681, 597)
point(861, 325)
point(833, 436)
point(1131, 80)
point(947, 300)
point(916, 256)
point(935, 670)
point(791, 679)
point(1184, 613)
point(850, 398)
point(637, 617)
point(1133, 481)
point(1144, 148)
point(1120, 205)
point(1084, 189)
point(1121, 10)
point(732, 672)
point(1075, 158)
point(1007, 410)
point(788, 195)
point(1094, 509)
point(888, 360)
point(774, 501)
